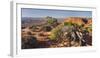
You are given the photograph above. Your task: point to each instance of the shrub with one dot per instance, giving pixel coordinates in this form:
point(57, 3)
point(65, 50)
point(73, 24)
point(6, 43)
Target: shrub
point(68, 24)
point(33, 27)
point(51, 20)
point(29, 42)
point(55, 33)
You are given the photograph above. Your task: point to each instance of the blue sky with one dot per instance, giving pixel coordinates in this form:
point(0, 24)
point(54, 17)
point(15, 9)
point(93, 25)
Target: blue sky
point(31, 12)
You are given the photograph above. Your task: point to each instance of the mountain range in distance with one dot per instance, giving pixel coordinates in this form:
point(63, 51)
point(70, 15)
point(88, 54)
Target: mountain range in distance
point(29, 21)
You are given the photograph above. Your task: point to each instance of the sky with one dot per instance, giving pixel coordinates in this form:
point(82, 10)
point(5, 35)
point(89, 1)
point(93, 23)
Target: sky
point(31, 12)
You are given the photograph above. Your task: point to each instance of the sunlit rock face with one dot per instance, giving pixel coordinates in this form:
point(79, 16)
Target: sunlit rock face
point(76, 20)
point(79, 21)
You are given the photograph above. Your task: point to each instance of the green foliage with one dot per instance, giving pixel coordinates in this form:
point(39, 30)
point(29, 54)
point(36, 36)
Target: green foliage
point(55, 33)
point(90, 26)
point(33, 27)
point(51, 20)
point(54, 20)
point(89, 29)
point(68, 24)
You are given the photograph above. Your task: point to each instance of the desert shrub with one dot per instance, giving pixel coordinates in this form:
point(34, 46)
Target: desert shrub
point(89, 29)
point(85, 20)
point(47, 28)
point(29, 42)
point(55, 33)
point(33, 27)
point(68, 24)
point(51, 20)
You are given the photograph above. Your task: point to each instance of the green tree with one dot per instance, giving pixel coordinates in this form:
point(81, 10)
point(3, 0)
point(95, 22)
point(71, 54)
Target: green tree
point(51, 20)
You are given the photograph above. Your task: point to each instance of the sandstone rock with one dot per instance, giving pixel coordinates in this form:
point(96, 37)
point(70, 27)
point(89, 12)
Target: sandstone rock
point(65, 43)
point(60, 45)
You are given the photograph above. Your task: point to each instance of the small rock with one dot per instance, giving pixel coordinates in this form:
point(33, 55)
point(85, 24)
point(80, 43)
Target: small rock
point(65, 43)
point(60, 45)
point(72, 43)
point(76, 44)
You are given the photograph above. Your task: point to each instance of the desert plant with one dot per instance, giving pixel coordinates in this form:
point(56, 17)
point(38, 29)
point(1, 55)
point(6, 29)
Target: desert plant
point(47, 28)
point(33, 27)
point(51, 20)
point(29, 42)
point(56, 32)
